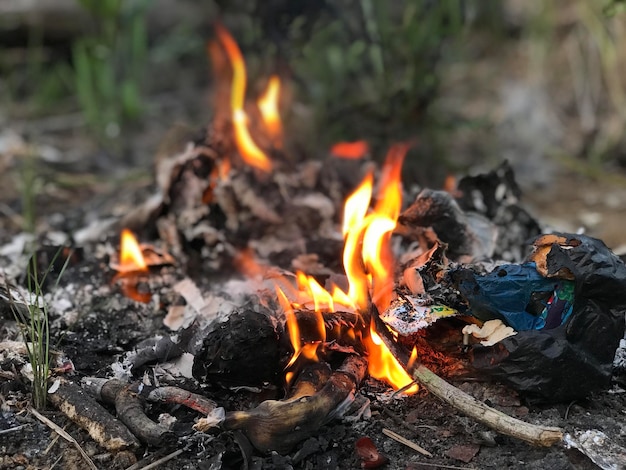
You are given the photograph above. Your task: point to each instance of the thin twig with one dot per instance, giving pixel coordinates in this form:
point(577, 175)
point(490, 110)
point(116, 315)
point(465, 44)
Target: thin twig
point(168, 457)
point(399, 421)
point(10, 430)
point(568, 408)
point(402, 440)
point(52, 444)
point(439, 465)
point(54, 464)
point(64, 435)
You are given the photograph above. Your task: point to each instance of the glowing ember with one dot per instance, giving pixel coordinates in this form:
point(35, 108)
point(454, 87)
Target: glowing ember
point(268, 105)
point(131, 257)
point(248, 149)
point(350, 150)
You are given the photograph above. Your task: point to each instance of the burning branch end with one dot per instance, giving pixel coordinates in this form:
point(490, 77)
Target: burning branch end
point(279, 425)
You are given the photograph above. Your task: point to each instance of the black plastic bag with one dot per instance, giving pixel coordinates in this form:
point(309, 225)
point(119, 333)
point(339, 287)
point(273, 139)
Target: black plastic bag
point(576, 358)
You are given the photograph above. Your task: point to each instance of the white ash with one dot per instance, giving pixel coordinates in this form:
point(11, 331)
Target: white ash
point(122, 370)
point(94, 231)
point(167, 420)
point(620, 355)
point(596, 445)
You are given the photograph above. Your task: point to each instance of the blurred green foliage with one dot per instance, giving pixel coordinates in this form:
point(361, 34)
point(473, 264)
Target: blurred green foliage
point(109, 65)
point(370, 68)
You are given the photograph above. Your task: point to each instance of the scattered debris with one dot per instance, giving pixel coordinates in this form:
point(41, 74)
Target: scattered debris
point(599, 448)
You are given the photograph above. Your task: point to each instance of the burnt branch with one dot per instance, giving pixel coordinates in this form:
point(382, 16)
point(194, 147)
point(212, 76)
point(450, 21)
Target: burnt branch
point(129, 408)
point(103, 428)
point(280, 424)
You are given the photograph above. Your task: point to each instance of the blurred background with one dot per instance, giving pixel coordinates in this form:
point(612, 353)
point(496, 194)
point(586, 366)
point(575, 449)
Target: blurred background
point(92, 91)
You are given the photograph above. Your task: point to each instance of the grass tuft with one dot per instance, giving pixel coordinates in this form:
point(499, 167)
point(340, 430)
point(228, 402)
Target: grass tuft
point(35, 324)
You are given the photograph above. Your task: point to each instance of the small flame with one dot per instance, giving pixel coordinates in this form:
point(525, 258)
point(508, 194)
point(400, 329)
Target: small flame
point(322, 300)
point(246, 263)
point(248, 149)
point(292, 323)
point(131, 257)
point(383, 365)
point(307, 350)
point(412, 359)
point(268, 105)
point(350, 150)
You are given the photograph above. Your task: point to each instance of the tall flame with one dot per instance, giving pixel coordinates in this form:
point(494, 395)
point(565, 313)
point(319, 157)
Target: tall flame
point(377, 254)
point(248, 149)
point(371, 268)
point(131, 257)
point(268, 106)
point(354, 223)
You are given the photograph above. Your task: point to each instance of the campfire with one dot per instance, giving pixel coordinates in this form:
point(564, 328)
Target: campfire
point(297, 279)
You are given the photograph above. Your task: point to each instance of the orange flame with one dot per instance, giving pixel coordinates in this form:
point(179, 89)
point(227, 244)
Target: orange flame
point(368, 263)
point(131, 257)
point(292, 323)
point(248, 149)
point(268, 105)
point(383, 365)
point(307, 350)
point(377, 254)
point(350, 150)
point(371, 269)
point(322, 300)
point(354, 224)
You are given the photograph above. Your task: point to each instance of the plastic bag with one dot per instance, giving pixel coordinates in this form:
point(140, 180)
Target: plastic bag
point(563, 362)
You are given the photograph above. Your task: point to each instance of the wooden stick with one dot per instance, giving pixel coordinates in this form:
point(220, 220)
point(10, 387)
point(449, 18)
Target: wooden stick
point(167, 458)
point(534, 434)
point(64, 435)
point(10, 430)
point(402, 440)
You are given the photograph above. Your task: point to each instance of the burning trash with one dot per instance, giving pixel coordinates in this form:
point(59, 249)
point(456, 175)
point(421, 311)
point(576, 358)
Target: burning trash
point(292, 286)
